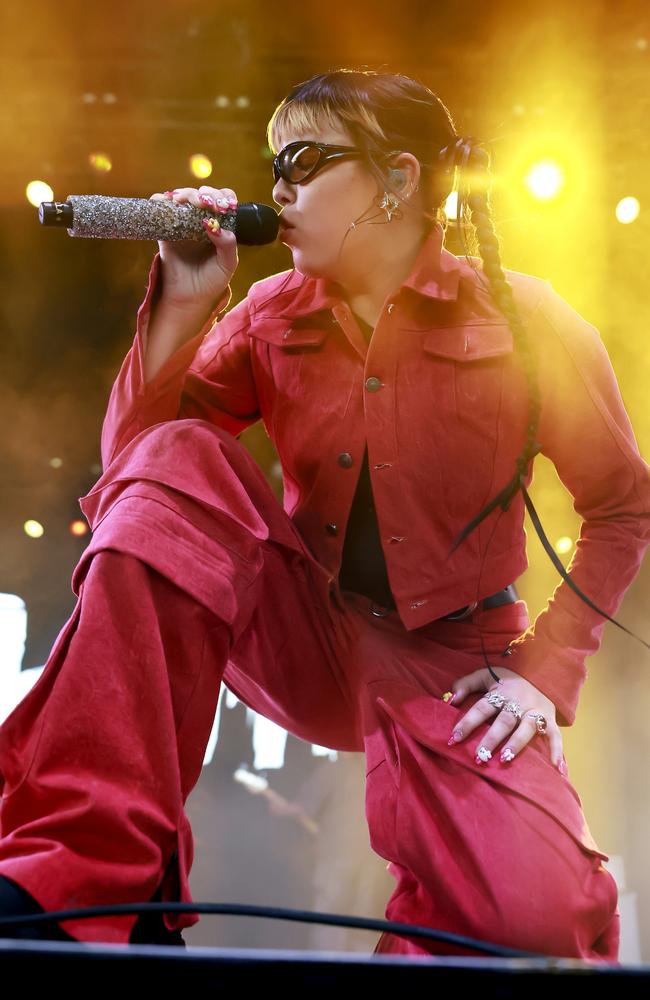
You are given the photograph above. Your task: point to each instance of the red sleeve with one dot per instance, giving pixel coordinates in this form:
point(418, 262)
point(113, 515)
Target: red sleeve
point(180, 389)
point(586, 433)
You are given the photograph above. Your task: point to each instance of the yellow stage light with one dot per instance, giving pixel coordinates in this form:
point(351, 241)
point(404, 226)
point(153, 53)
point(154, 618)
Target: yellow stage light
point(628, 210)
point(200, 165)
point(545, 180)
point(38, 191)
point(33, 529)
point(564, 545)
point(451, 205)
point(101, 162)
point(78, 528)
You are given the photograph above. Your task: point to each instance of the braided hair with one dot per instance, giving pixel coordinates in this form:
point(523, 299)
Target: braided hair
point(473, 204)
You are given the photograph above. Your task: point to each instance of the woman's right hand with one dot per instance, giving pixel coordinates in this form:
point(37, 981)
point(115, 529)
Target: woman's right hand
point(196, 273)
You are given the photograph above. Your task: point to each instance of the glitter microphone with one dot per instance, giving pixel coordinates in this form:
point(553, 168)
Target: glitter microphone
point(107, 218)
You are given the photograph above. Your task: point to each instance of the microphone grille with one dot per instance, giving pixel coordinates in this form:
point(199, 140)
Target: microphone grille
point(256, 224)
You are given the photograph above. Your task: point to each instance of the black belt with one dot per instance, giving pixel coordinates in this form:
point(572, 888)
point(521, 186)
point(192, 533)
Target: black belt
point(506, 596)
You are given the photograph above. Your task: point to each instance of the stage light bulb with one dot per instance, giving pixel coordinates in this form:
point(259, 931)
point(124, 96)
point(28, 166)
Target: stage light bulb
point(545, 180)
point(628, 210)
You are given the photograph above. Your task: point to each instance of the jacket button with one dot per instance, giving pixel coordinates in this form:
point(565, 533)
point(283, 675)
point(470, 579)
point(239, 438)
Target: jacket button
point(373, 384)
point(345, 459)
point(331, 529)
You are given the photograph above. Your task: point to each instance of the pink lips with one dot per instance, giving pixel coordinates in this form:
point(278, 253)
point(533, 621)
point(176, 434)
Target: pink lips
point(285, 231)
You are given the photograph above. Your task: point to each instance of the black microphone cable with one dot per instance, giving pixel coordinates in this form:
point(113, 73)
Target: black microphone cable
point(274, 913)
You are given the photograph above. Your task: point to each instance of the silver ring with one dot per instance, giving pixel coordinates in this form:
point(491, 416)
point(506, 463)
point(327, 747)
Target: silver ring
point(515, 708)
point(494, 698)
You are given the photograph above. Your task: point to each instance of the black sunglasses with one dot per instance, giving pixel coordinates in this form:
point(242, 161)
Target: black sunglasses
point(299, 161)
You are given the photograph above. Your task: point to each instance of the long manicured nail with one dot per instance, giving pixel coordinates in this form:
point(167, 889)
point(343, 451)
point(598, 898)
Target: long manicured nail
point(506, 755)
point(561, 766)
point(207, 200)
point(483, 755)
point(212, 226)
point(455, 737)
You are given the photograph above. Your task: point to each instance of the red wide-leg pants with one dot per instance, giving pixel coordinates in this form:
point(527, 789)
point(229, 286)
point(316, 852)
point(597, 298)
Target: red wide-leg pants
point(195, 574)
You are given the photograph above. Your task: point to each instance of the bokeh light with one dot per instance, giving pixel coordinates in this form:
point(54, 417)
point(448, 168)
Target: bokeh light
point(563, 545)
point(451, 205)
point(545, 180)
point(38, 191)
point(200, 165)
point(628, 210)
point(100, 162)
point(33, 529)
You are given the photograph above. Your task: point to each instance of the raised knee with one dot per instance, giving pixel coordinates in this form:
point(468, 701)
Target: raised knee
point(188, 434)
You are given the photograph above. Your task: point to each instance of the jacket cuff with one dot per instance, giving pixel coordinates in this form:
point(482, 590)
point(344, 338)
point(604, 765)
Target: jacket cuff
point(558, 673)
point(178, 363)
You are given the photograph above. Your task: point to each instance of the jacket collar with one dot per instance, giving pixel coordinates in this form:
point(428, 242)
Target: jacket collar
point(435, 274)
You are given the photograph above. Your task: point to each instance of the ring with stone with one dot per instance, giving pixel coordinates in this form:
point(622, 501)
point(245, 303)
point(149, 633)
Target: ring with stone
point(540, 721)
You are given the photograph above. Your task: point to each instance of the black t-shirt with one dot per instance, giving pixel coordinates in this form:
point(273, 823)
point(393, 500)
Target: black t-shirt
point(363, 566)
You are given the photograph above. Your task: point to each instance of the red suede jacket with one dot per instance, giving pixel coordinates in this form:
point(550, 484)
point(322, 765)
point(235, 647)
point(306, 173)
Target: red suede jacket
point(440, 396)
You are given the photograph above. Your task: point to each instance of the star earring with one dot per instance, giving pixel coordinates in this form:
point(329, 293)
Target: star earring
point(390, 205)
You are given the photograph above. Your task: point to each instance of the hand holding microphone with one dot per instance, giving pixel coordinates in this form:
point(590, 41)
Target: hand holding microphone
point(196, 271)
point(197, 264)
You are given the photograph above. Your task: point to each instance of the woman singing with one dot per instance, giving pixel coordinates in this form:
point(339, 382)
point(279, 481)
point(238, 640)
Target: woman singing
point(404, 389)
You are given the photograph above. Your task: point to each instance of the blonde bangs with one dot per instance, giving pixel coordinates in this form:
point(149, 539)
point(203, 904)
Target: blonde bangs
point(296, 117)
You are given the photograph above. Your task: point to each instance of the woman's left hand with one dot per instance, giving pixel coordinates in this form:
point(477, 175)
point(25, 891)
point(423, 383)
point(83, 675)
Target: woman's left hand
point(506, 728)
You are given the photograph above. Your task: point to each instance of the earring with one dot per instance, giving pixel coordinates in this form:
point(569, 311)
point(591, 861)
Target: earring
point(390, 205)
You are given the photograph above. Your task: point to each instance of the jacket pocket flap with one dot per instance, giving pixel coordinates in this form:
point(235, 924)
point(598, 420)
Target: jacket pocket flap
point(283, 333)
point(469, 343)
